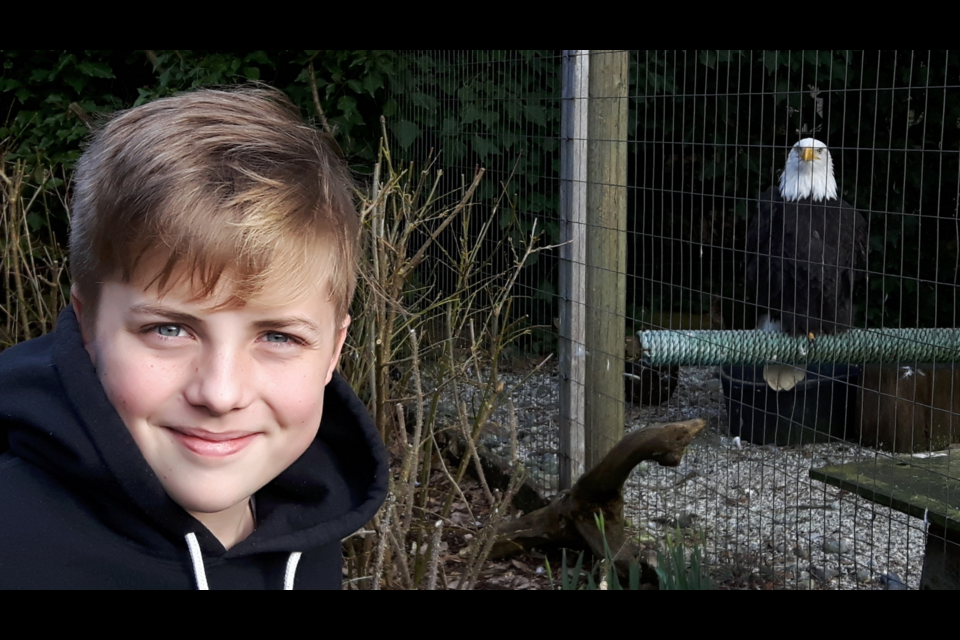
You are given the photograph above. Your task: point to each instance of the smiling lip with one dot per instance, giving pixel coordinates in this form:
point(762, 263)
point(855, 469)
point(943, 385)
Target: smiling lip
point(213, 445)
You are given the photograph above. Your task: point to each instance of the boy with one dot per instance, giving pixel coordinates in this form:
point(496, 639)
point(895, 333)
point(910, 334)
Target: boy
point(184, 426)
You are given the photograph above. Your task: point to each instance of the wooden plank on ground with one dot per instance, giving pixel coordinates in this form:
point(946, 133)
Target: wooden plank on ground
point(927, 486)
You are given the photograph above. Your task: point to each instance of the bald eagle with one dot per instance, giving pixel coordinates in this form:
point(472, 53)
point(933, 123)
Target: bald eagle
point(806, 249)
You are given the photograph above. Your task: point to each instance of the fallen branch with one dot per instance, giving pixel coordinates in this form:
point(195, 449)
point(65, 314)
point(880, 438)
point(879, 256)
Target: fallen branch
point(568, 521)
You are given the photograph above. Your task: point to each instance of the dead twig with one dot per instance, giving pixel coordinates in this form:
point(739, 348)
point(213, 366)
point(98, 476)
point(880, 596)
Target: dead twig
point(152, 57)
point(316, 99)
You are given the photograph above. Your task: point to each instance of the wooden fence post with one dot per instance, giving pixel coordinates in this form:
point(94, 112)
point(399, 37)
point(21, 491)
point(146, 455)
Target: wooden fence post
point(573, 262)
point(606, 279)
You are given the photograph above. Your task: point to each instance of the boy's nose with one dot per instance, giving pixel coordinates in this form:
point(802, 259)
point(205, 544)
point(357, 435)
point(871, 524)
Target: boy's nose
point(220, 382)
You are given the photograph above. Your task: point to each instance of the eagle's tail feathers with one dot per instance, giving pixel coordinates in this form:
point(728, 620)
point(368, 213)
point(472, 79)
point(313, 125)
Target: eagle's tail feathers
point(783, 377)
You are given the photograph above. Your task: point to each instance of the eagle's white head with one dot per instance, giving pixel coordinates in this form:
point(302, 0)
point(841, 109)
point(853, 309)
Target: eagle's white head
point(809, 173)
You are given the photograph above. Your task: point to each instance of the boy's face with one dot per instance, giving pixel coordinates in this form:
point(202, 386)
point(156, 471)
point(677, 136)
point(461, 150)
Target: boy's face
point(220, 401)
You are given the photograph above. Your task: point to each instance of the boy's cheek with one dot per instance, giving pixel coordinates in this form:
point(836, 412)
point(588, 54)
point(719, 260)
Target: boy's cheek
point(127, 389)
point(135, 383)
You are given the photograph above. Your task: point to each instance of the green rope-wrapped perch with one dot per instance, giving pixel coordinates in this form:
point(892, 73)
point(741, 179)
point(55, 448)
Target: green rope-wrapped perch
point(744, 348)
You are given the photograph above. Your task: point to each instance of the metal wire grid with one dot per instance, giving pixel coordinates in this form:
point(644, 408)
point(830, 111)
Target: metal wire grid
point(706, 117)
point(710, 131)
point(497, 110)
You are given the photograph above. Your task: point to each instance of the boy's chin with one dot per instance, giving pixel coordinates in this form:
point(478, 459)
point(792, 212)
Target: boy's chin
point(204, 505)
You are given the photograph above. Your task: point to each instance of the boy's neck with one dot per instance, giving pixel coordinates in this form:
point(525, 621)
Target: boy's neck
point(230, 526)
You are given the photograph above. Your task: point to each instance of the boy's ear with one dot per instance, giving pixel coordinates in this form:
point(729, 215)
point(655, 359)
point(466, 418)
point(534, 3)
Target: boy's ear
point(80, 309)
point(341, 338)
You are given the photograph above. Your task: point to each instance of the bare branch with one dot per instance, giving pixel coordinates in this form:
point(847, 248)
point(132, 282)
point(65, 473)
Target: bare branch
point(316, 99)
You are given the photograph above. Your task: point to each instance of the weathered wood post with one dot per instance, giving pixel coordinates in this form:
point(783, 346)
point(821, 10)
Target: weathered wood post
point(573, 262)
point(593, 261)
point(606, 278)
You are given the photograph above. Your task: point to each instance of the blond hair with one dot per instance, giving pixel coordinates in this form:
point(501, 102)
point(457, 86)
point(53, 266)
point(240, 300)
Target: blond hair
point(210, 181)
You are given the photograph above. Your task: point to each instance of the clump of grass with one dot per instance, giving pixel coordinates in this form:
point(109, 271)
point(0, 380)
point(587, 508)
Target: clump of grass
point(603, 576)
point(34, 285)
point(680, 570)
point(674, 571)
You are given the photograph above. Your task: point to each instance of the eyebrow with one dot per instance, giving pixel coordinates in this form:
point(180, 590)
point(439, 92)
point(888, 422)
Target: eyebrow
point(163, 312)
point(186, 318)
point(285, 323)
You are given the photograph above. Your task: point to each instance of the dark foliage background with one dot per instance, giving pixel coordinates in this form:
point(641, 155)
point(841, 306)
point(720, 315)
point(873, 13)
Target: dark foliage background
point(713, 130)
point(709, 131)
point(37, 89)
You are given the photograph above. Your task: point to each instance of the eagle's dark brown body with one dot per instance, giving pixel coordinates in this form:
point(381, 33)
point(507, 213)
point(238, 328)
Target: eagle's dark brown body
point(803, 261)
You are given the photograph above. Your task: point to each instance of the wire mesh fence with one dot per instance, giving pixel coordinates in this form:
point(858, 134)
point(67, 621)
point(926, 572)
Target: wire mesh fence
point(784, 246)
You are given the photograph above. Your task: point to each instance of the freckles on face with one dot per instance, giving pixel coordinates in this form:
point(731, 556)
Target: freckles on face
point(219, 400)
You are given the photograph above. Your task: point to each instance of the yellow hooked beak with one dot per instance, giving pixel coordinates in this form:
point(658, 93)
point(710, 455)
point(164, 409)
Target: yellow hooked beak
point(808, 154)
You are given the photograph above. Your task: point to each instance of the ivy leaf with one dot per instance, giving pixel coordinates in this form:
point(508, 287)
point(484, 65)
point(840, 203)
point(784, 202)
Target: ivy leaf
point(449, 85)
point(252, 73)
point(470, 114)
point(35, 221)
point(372, 82)
point(455, 150)
point(536, 203)
point(406, 133)
point(389, 108)
point(771, 61)
point(490, 119)
point(508, 140)
point(424, 101)
point(348, 105)
point(485, 147)
point(450, 126)
point(96, 69)
point(77, 83)
point(41, 75)
point(536, 114)
point(259, 57)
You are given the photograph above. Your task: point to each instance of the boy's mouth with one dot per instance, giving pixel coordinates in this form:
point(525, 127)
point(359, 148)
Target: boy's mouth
point(213, 445)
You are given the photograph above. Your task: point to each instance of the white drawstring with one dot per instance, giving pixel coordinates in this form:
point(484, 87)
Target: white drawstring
point(199, 573)
point(291, 573)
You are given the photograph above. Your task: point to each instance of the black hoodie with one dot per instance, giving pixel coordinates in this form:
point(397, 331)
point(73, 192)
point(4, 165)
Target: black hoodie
point(81, 509)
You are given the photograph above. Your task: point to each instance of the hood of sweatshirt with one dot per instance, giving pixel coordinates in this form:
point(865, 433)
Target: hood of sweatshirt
point(55, 414)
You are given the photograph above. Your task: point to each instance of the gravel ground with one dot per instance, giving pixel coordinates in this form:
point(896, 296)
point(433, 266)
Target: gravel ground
point(767, 524)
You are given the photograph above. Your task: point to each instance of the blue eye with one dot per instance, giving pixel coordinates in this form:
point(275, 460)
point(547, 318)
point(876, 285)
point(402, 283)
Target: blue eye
point(278, 338)
point(169, 330)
